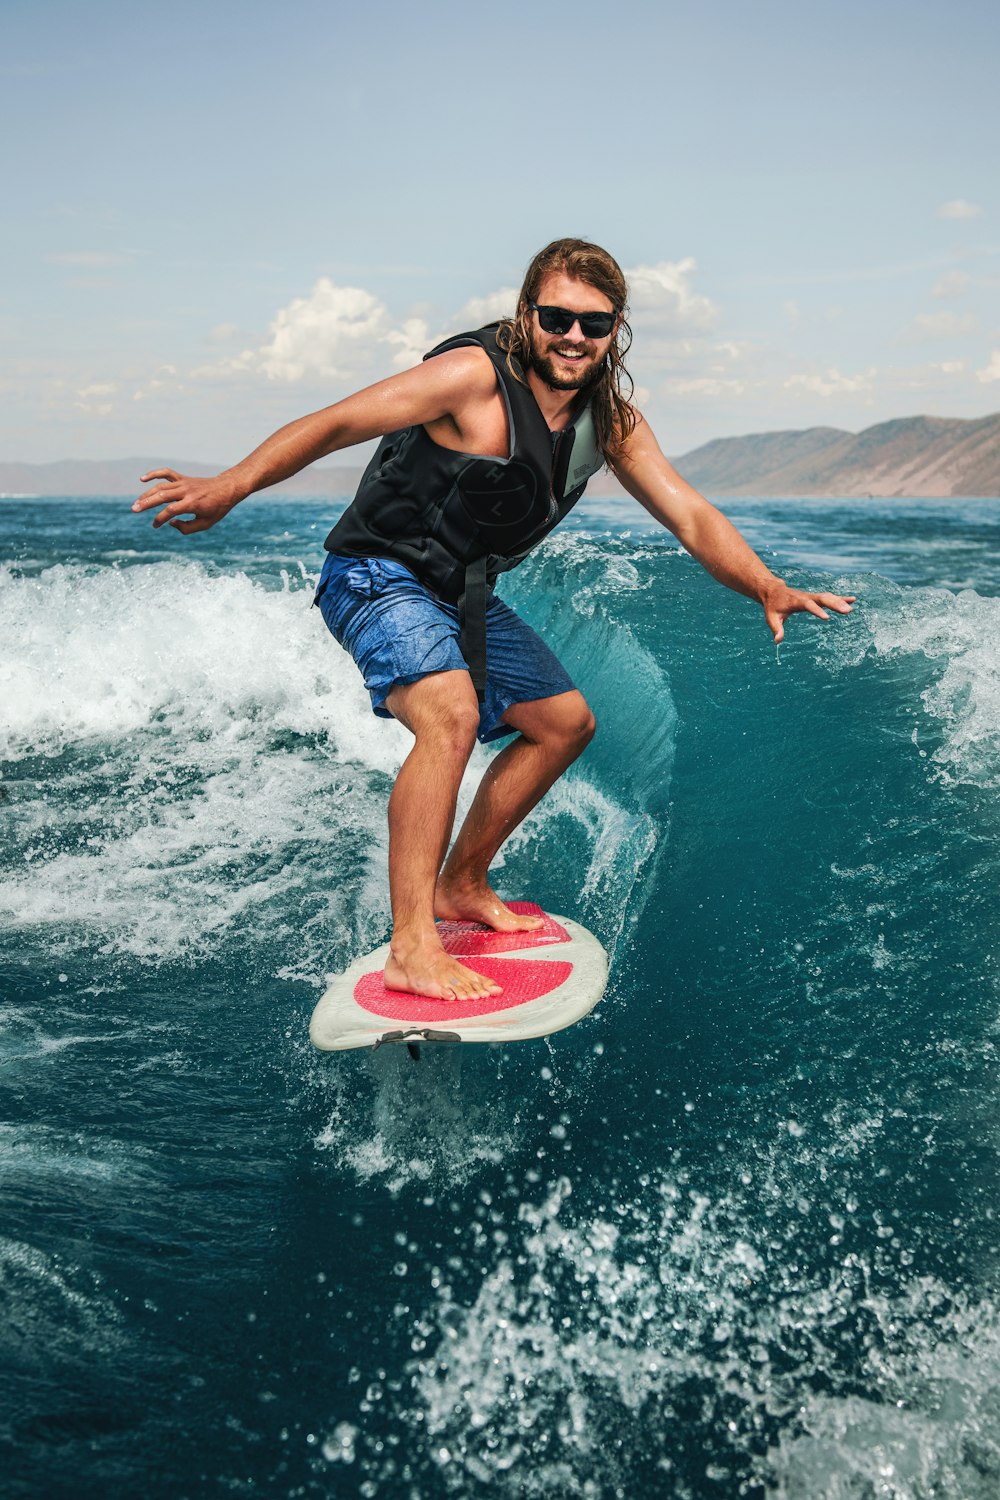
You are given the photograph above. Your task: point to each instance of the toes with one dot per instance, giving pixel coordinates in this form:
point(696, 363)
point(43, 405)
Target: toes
point(463, 984)
point(478, 987)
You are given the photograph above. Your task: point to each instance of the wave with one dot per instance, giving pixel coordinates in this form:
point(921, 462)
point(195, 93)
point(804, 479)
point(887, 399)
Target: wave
point(205, 733)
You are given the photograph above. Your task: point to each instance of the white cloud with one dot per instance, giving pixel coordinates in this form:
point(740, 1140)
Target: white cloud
point(664, 296)
point(322, 334)
point(702, 385)
point(950, 366)
point(671, 323)
point(959, 208)
point(951, 284)
point(992, 370)
point(832, 383)
point(328, 335)
point(413, 340)
point(92, 399)
point(335, 333)
point(940, 325)
point(164, 379)
point(678, 349)
point(480, 310)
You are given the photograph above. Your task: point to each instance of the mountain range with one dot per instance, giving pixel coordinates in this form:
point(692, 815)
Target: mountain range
point(911, 456)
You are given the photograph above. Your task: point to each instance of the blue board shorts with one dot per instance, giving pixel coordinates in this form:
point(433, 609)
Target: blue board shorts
point(398, 632)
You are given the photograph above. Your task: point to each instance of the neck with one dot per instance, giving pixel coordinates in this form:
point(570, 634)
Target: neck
point(556, 406)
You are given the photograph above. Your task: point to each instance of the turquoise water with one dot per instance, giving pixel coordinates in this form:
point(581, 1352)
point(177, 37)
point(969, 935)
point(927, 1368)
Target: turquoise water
point(735, 1234)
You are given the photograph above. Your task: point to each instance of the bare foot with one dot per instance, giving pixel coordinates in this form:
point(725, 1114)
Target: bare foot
point(424, 968)
point(474, 901)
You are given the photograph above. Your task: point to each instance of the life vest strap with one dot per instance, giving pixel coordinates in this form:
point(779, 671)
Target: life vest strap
point(472, 622)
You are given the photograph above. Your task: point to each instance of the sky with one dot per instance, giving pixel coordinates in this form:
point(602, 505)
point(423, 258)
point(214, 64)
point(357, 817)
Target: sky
point(221, 216)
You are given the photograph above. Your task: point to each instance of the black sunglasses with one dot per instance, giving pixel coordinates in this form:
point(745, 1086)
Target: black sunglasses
point(560, 320)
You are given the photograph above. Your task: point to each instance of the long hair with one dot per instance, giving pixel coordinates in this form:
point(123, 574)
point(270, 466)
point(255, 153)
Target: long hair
point(613, 413)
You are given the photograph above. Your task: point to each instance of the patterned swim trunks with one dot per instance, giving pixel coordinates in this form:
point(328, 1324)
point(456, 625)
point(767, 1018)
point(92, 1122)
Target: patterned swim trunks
point(398, 632)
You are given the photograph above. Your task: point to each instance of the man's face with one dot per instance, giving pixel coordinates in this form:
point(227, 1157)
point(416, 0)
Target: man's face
point(568, 361)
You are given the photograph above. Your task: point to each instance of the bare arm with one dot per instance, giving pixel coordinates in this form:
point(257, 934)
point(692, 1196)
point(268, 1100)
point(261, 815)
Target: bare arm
point(443, 387)
point(704, 531)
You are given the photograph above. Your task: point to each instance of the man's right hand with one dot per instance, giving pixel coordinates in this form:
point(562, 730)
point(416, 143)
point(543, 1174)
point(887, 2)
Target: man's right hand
point(207, 500)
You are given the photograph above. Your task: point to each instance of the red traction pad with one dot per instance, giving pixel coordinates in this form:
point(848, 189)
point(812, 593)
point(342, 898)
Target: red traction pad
point(523, 979)
point(475, 938)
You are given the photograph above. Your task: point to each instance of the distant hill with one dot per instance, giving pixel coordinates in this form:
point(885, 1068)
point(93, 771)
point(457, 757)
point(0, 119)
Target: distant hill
point(915, 456)
point(120, 476)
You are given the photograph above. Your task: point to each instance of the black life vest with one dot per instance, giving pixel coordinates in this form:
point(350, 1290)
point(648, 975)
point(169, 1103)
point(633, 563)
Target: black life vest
point(457, 520)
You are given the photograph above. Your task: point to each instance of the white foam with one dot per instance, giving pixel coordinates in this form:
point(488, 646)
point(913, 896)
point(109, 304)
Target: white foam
point(958, 636)
point(408, 1124)
point(222, 745)
point(102, 654)
point(588, 1329)
point(37, 1151)
point(936, 1435)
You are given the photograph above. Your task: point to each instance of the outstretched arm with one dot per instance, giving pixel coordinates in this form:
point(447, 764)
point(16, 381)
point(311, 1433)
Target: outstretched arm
point(704, 531)
point(441, 387)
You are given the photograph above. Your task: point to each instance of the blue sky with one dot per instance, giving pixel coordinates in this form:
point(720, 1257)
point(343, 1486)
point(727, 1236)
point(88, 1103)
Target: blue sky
point(223, 215)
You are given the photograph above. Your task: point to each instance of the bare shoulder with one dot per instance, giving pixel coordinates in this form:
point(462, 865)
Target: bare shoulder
point(471, 416)
point(467, 368)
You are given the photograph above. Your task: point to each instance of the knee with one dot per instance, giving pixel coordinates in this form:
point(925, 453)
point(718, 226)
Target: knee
point(577, 728)
point(586, 727)
point(452, 731)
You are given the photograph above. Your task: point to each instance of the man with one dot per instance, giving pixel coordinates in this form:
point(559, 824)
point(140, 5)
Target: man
point(485, 447)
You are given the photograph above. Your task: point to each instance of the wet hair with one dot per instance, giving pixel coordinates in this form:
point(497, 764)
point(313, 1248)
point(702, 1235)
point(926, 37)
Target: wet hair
point(614, 416)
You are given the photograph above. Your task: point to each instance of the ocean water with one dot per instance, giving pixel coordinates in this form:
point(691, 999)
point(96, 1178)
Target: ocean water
point(733, 1235)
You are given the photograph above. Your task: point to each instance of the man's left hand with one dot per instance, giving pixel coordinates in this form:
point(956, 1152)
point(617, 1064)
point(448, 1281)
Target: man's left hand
point(780, 602)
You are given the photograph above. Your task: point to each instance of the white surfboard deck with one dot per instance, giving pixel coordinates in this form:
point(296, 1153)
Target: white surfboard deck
point(551, 977)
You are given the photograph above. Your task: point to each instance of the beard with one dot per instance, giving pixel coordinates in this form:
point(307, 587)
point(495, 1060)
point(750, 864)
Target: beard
point(561, 378)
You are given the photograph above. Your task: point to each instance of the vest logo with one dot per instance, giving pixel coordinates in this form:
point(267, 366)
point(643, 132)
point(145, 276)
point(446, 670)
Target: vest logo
point(580, 473)
point(498, 498)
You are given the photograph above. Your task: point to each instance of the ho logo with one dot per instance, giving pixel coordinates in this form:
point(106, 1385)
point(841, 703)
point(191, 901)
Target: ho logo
point(498, 497)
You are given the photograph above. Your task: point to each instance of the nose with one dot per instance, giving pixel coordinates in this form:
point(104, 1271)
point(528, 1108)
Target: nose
point(574, 328)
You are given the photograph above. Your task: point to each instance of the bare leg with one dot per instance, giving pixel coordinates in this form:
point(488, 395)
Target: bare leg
point(442, 714)
point(553, 733)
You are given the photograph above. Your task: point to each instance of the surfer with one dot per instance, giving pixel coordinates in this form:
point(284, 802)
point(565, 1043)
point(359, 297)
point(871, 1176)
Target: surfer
point(484, 448)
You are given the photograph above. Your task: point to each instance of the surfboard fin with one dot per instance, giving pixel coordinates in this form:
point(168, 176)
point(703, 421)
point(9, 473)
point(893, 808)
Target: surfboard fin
point(414, 1035)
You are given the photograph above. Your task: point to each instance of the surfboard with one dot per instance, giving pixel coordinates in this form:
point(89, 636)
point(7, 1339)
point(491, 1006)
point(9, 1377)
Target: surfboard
point(551, 977)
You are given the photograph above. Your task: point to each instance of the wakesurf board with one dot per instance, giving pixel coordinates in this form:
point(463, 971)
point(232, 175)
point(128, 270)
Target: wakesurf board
point(551, 977)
